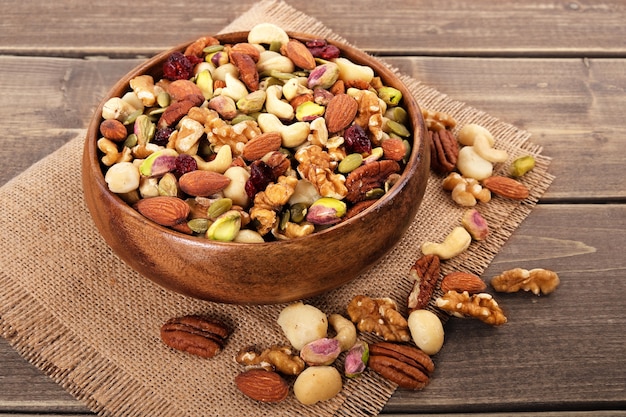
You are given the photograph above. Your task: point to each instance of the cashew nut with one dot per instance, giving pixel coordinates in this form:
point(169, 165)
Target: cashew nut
point(273, 61)
point(220, 72)
point(346, 331)
point(482, 148)
point(472, 165)
point(292, 135)
point(470, 131)
point(275, 106)
point(234, 89)
point(236, 189)
point(267, 33)
point(349, 71)
point(455, 243)
point(223, 160)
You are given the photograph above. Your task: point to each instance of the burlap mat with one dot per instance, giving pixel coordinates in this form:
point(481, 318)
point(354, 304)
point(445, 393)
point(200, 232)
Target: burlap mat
point(76, 311)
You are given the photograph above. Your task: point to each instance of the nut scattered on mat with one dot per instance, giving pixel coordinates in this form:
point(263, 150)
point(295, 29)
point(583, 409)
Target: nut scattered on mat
point(405, 365)
point(201, 336)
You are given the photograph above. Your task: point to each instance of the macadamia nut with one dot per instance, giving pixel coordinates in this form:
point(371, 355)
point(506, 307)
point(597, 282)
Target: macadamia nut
point(302, 323)
point(317, 383)
point(426, 331)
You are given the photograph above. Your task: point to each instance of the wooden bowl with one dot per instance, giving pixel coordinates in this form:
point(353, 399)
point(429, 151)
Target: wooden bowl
point(257, 273)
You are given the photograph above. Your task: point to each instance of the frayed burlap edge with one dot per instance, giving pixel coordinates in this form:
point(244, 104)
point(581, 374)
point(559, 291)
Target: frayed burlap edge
point(53, 297)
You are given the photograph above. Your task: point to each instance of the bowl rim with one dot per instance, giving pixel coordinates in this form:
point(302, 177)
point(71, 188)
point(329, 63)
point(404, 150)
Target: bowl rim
point(150, 66)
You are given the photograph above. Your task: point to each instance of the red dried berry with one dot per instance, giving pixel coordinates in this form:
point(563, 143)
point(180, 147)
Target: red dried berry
point(261, 175)
point(162, 136)
point(184, 164)
point(319, 48)
point(179, 66)
point(356, 140)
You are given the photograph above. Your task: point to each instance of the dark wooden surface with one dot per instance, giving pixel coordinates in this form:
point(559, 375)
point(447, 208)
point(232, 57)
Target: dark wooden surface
point(553, 68)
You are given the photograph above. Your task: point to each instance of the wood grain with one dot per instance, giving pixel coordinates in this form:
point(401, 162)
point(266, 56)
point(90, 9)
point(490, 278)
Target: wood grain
point(441, 28)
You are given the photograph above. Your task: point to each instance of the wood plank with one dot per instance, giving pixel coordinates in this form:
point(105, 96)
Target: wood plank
point(570, 107)
point(548, 357)
point(441, 28)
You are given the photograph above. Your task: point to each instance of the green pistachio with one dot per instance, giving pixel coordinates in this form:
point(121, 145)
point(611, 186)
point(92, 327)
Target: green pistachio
point(225, 227)
point(252, 102)
point(356, 359)
point(204, 81)
point(168, 185)
point(390, 95)
point(144, 128)
point(309, 110)
point(158, 163)
point(522, 165)
point(326, 211)
point(323, 76)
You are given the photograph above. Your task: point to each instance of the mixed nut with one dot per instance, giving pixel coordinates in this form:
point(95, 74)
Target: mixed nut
point(286, 137)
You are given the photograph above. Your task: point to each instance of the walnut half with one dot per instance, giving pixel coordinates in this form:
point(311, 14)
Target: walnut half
point(539, 281)
point(481, 306)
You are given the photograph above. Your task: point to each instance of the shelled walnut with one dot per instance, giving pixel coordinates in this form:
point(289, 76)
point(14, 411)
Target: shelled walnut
point(539, 281)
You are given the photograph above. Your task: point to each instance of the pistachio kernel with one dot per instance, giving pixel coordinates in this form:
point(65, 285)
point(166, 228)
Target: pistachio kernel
point(298, 212)
point(225, 227)
point(522, 165)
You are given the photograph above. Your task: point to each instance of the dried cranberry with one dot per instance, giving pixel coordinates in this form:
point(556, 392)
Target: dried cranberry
point(356, 140)
point(184, 164)
point(162, 136)
point(261, 175)
point(319, 48)
point(179, 66)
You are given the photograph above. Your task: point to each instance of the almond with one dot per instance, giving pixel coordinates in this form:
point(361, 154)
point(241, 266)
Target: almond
point(299, 54)
point(163, 210)
point(506, 187)
point(114, 130)
point(462, 281)
point(203, 183)
point(340, 112)
point(262, 385)
point(261, 145)
point(246, 48)
point(180, 89)
point(393, 149)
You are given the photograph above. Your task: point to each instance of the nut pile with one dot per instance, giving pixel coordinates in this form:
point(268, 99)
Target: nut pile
point(273, 138)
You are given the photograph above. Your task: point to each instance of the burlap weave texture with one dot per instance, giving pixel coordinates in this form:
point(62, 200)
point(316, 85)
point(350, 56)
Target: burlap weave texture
point(70, 306)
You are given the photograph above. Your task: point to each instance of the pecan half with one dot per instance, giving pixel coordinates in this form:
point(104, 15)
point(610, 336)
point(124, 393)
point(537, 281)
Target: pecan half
point(405, 365)
point(201, 336)
point(425, 272)
point(367, 177)
point(444, 151)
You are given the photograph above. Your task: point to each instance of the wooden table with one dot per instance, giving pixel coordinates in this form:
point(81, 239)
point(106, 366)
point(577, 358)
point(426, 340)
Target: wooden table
point(553, 68)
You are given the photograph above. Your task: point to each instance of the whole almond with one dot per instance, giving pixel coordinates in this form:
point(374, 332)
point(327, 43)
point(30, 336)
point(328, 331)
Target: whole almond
point(340, 112)
point(462, 281)
point(299, 54)
point(180, 89)
point(261, 145)
point(393, 149)
point(262, 385)
point(114, 130)
point(248, 73)
point(506, 187)
point(200, 183)
point(163, 210)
